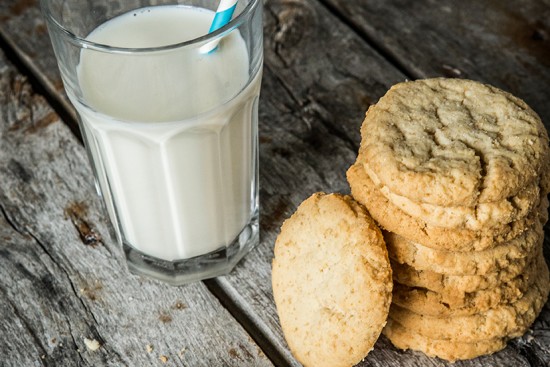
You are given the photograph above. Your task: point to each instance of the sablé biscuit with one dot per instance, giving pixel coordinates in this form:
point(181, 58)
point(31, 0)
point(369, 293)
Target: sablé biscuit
point(482, 215)
point(457, 295)
point(505, 255)
point(504, 320)
point(393, 219)
point(458, 284)
point(451, 349)
point(332, 281)
point(453, 142)
point(425, 302)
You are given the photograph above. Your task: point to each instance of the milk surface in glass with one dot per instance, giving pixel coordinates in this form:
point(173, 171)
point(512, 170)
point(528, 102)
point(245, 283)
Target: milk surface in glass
point(172, 133)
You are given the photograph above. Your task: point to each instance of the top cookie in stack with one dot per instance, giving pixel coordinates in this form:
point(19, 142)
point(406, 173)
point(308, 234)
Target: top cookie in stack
point(452, 163)
point(457, 173)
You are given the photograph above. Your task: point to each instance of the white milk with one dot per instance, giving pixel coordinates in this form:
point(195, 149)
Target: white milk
point(172, 139)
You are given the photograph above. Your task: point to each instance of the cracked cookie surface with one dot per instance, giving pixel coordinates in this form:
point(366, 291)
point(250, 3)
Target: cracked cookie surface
point(453, 142)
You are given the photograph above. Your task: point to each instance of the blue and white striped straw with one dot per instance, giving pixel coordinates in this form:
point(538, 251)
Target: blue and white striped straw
point(222, 17)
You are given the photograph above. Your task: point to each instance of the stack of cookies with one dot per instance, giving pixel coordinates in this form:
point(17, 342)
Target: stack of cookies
point(456, 173)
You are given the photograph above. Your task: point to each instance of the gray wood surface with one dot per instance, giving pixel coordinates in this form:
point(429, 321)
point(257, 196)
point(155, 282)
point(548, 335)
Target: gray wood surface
point(504, 43)
point(320, 76)
point(62, 275)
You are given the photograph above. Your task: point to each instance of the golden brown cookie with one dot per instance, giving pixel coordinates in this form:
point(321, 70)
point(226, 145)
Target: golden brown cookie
point(460, 284)
point(425, 302)
point(395, 220)
point(480, 216)
point(332, 281)
point(451, 349)
point(505, 255)
point(505, 320)
point(453, 142)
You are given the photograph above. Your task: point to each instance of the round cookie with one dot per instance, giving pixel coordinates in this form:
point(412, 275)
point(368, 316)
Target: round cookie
point(482, 215)
point(453, 142)
point(395, 220)
point(459, 284)
point(505, 255)
point(425, 302)
point(451, 350)
point(332, 281)
point(504, 320)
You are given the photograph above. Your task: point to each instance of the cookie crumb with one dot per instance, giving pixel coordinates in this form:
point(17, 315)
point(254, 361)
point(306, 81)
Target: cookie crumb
point(91, 344)
point(529, 336)
point(149, 348)
point(181, 352)
point(165, 317)
point(180, 305)
point(163, 358)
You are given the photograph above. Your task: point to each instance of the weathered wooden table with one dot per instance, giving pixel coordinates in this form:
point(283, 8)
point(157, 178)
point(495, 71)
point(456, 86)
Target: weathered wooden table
point(62, 276)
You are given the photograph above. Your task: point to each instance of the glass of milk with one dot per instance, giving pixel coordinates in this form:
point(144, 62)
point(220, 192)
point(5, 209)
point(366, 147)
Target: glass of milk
point(171, 129)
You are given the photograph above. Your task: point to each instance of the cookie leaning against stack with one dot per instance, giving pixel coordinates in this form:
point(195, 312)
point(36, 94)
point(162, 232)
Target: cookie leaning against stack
point(332, 281)
point(457, 173)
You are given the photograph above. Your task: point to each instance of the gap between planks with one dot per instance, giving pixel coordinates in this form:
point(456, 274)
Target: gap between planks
point(378, 47)
point(216, 287)
point(41, 85)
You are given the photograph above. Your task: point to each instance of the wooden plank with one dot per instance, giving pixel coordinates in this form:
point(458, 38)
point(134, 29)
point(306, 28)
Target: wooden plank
point(309, 128)
point(319, 79)
point(62, 275)
point(503, 43)
point(32, 39)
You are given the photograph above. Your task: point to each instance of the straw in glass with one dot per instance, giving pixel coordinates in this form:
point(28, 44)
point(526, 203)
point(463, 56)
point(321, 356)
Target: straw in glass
point(223, 15)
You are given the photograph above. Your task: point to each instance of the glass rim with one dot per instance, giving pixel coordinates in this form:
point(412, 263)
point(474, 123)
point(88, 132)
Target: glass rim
point(234, 23)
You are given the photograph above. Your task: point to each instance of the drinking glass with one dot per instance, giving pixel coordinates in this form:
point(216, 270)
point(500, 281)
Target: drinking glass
point(169, 117)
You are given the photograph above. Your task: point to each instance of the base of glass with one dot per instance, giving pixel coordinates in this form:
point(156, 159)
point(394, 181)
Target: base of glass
point(210, 265)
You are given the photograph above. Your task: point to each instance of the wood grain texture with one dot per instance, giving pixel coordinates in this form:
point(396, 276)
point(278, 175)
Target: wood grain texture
point(62, 276)
point(319, 78)
point(22, 18)
point(503, 43)
point(309, 131)
point(310, 112)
